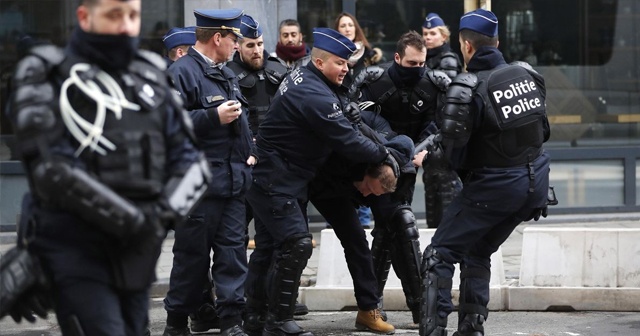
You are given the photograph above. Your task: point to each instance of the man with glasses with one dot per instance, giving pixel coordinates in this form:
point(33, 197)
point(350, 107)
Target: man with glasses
point(211, 95)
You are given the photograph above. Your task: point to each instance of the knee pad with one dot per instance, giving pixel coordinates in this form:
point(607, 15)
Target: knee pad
point(403, 222)
point(296, 249)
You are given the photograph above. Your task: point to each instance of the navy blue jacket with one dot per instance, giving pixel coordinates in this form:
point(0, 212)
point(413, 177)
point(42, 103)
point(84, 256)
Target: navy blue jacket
point(499, 188)
point(304, 125)
point(203, 88)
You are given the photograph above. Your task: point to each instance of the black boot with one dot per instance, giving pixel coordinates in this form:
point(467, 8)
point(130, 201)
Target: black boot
point(254, 317)
point(204, 319)
point(471, 325)
point(283, 328)
point(233, 331)
point(301, 309)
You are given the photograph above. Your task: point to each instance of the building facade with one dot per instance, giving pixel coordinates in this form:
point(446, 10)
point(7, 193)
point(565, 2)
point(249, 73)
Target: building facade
point(587, 50)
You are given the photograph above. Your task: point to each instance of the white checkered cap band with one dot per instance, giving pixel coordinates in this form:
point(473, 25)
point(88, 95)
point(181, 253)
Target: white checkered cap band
point(178, 32)
point(252, 27)
point(478, 15)
point(333, 38)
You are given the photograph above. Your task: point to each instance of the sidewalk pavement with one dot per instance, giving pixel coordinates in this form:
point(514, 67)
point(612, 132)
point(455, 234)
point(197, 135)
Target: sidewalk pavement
point(511, 249)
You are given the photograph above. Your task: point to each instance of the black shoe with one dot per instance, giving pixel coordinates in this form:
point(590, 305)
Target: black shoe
point(233, 331)
point(147, 332)
point(301, 309)
point(204, 319)
point(284, 328)
point(471, 325)
point(173, 331)
point(415, 314)
point(253, 324)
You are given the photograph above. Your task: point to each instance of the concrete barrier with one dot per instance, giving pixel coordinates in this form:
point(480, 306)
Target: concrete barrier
point(334, 286)
point(578, 269)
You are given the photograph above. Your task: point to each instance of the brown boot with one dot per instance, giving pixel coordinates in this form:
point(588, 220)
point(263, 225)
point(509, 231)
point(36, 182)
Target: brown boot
point(372, 321)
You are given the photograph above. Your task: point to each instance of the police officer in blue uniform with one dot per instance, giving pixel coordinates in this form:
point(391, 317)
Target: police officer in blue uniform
point(216, 106)
point(441, 184)
point(407, 96)
point(493, 126)
point(259, 74)
point(111, 162)
point(439, 55)
point(177, 42)
point(304, 125)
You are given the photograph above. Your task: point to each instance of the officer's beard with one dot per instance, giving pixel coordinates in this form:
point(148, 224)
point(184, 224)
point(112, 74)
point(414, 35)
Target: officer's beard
point(110, 52)
point(254, 63)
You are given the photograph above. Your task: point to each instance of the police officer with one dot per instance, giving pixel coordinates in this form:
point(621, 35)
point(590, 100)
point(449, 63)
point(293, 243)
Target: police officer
point(407, 96)
point(259, 74)
point(215, 104)
point(493, 126)
point(111, 164)
point(177, 42)
point(291, 145)
point(441, 184)
point(439, 55)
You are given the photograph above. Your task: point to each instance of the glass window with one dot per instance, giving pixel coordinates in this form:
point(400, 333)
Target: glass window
point(588, 183)
point(27, 22)
point(316, 13)
point(385, 20)
point(588, 52)
point(637, 182)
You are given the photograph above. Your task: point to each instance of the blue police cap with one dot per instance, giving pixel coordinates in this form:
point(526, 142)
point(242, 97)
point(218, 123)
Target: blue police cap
point(433, 20)
point(250, 28)
point(179, 36)
point(225, 19)
point(481, 21)
point(330, 40)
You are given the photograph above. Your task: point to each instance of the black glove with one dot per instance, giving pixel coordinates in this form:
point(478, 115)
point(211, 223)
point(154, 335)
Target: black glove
point(35, 302)
point(435, 160)
point(535, 215)
point(23, 286)
point(352, 112)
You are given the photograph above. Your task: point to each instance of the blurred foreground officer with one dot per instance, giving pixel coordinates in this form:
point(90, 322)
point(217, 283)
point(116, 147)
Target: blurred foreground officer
point(177, 42)
point(494, 124)
point(305, 123)
point(212, 97)
point(439, 55)
point(111, 163)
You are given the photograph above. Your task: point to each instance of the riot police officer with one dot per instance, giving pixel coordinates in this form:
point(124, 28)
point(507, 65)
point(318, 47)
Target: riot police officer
point(406, 96)
point(291, 146)
point(439, 55)
point(111, 162)
point(215, 104)
point(493, 126)
point(441, 185)
point(259, 74)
